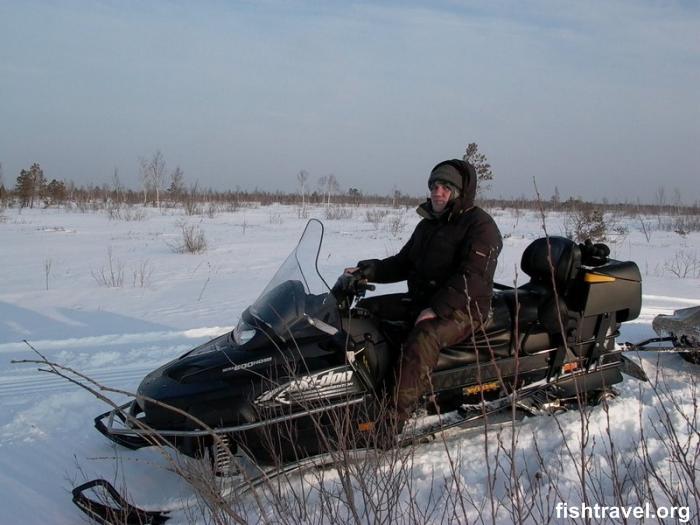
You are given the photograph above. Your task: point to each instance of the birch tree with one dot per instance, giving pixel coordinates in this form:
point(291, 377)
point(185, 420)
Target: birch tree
point(153, 175)
point(302, 178)
point(328, 185)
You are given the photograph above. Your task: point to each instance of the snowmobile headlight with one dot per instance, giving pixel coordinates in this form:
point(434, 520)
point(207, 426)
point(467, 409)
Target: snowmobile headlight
point(244, 336)
point(243, 333)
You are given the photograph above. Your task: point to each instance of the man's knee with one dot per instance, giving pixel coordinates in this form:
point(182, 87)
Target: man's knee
point(431, 336)
point(422, 347)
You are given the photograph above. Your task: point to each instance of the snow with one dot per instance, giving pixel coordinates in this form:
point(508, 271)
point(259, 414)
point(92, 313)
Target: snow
point(118, 334)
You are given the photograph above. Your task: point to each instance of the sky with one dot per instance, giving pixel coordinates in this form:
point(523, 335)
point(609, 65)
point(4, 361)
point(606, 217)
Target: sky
point(598, 99)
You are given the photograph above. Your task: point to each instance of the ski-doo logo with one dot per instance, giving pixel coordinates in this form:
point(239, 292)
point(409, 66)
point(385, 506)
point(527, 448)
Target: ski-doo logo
point(311, 382)
point(247, 365)
point(324, 385)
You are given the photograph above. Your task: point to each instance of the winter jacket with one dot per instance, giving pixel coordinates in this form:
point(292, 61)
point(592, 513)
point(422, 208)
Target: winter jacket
point(450, 260)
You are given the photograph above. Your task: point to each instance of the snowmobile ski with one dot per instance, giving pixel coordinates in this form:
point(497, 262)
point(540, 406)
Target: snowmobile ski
point(109, 507)
point(119, 511)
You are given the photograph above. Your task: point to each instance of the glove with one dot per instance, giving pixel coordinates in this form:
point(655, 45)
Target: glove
point(368, 268)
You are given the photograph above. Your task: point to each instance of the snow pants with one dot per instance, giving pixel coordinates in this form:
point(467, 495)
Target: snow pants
point(421, 348)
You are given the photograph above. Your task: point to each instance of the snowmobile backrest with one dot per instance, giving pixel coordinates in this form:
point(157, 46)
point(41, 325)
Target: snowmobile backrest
point(552, 253)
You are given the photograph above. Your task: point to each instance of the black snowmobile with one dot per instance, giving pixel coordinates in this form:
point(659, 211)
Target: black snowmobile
point(305, 356)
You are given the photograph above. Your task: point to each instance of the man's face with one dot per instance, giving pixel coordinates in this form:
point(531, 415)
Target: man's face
point(439, 196)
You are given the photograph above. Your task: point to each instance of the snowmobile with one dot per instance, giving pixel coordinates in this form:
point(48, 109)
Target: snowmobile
point(305, 356)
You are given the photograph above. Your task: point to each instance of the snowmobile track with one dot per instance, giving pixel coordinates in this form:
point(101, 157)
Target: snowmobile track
point(44, 383)
point(47, 345)
point(21, 379)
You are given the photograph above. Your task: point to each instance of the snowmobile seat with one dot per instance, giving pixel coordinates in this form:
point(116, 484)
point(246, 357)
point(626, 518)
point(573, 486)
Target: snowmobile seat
point(534, 306)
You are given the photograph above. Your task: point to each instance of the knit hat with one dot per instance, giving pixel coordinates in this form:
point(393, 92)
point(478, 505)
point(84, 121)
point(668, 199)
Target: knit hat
point(447, 175)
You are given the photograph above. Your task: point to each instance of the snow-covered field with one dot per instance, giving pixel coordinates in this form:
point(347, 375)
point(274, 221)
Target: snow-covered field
point(51, 262)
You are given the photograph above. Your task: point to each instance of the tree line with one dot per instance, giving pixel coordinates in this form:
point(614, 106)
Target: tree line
point(160, 187)
point(157, 184)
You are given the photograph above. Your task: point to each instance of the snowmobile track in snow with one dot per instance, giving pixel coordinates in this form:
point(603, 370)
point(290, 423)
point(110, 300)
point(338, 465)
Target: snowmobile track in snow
point(113, 339)
point(19, 380)
point(44, 383)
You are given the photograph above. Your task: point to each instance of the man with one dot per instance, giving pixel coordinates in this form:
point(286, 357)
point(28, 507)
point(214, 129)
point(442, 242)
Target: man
point(449, 263)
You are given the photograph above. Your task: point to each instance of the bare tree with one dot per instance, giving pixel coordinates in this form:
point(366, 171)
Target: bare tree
point(660, 196)
point(328, 185)
point(677, 198)
point(484, 175)
point(395, 196)
point(2, 187)
point(117, 187)
point(153, 175)
point(145, 180)
point(302, 178)
point(556, 198)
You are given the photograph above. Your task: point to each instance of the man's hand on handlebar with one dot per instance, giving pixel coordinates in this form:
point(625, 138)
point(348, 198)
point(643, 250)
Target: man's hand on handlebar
point(352, 282)
point(355, 279)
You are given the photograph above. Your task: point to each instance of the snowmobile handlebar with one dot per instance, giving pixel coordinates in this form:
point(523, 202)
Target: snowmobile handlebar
point(351, 285)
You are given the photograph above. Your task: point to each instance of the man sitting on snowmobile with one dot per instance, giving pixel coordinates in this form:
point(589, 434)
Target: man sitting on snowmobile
point(449, 263)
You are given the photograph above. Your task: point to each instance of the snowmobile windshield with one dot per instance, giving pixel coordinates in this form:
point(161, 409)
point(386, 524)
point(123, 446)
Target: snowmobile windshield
point(297, 295)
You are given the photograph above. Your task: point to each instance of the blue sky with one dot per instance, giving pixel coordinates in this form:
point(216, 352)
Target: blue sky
point(598, 98)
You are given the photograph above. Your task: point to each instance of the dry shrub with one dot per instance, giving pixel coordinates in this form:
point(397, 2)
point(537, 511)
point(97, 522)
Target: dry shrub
point(397, 223)
point(375, 216)
point(122, 212)
point(193, 240)
point(336, 213)
point(684, 264)
point(142, 274)
point(585, 222)
point(111, 274)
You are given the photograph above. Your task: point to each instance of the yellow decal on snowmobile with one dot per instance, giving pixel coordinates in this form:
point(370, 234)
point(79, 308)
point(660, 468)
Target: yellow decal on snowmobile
point(569, 367)
point(591, 277)
point(365, 427)
point(485, 387)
